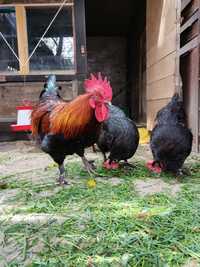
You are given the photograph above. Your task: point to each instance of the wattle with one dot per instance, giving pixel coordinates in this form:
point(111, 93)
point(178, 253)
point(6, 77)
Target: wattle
point(101, 112)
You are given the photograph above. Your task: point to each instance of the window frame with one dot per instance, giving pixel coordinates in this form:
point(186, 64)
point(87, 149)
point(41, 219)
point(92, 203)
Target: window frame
point(79, 36)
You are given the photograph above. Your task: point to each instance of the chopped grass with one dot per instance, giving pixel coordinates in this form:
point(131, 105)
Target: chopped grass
point(109, 225)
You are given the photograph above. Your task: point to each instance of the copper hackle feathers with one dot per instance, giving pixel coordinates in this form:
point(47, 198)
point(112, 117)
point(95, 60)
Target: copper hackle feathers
point(72, 119)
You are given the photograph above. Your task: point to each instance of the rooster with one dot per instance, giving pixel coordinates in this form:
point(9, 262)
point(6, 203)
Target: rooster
point(68, 128)
point(119, 136)
point(171, 140)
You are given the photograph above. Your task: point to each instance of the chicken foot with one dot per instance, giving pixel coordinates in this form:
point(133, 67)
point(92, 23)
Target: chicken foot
point(89, 166)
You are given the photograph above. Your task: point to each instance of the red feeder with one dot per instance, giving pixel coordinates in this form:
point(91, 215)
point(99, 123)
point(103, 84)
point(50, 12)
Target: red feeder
point(23, 118)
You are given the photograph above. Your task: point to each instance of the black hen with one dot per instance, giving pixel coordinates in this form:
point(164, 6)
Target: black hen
point(171, 140)
point(119, 136)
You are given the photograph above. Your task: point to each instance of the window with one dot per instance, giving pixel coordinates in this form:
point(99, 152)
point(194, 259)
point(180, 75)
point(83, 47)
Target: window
point(56, 50)
point(8, 61)
point(61, 50)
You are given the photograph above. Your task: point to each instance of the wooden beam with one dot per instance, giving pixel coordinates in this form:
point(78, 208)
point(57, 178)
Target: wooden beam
point(189, 46)
point(22, 39)
point(190, 21)
point(35, 4)
point(32, 2)
point(80, 31)
point(41, 78)
point(184, 3)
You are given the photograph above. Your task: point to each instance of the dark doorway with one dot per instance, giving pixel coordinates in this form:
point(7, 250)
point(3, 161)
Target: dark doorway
point(116, 46)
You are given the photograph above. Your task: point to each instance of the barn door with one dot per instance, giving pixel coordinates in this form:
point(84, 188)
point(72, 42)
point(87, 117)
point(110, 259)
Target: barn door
point(163, 20)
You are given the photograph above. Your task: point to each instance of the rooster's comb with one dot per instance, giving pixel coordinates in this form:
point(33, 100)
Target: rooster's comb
point(100, 85)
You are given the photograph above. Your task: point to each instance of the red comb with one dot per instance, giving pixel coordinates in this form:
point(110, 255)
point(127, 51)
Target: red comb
point(98, 84)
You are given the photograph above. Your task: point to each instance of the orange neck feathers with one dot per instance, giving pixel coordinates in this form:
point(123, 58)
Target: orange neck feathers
point(72, 119)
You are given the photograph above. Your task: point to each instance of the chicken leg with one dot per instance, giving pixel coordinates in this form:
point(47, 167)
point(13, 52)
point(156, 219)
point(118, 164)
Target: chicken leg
point(61, 179)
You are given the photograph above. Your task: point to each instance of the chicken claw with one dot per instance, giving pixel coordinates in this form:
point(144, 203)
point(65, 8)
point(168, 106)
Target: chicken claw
point(61, 181)
point(89, 166)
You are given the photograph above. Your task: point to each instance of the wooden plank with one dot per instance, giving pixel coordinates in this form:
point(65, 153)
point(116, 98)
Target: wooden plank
point(160, 50)
point(161, 89)
point(80, 29)
point(22, 39)
point(189, 23)
point(7, 119)
point(162, 69)
point(189, 46)
point(161, 20)
point(189, 34)
point(162, 61)
point(41, 78)
point(190, 10)
point(184, 4)
point(177, 78)
point(152, 108)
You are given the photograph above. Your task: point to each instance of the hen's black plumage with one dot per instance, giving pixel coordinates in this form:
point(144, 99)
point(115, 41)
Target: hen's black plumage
point(118, 135)
point(171, 140)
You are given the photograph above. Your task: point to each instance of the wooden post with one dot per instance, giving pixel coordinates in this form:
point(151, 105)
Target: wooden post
point(22, 39)
point(80, 29)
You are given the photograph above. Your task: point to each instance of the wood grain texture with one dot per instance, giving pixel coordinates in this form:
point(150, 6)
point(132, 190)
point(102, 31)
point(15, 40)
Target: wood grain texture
point(22, 39)
point(161, 55)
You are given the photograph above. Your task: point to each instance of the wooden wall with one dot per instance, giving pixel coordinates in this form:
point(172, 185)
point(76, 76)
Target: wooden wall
point(161, 55)
point(190, 65)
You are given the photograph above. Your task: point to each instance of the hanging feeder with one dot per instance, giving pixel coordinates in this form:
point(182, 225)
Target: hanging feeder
point(23, 118)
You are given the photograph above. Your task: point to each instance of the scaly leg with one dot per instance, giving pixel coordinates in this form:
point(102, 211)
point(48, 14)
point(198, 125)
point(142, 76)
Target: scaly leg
point(61, 179)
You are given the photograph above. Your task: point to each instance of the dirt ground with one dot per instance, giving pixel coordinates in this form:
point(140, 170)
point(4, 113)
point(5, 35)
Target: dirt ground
point(23, 156)
point(23, 161)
